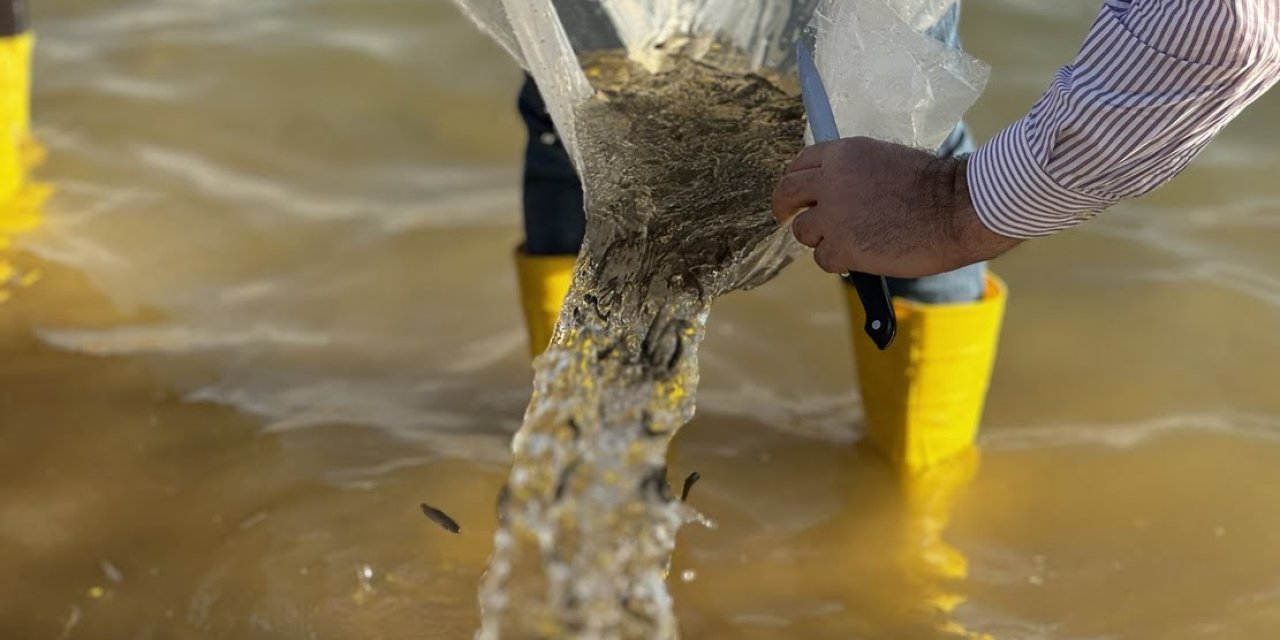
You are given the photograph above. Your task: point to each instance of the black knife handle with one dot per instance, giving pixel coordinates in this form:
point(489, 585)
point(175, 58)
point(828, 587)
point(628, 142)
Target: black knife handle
point(873, 291)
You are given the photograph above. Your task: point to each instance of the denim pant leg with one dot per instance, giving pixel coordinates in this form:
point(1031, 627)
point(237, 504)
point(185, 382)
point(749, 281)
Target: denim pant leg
point(554, 219)
point(965, 284)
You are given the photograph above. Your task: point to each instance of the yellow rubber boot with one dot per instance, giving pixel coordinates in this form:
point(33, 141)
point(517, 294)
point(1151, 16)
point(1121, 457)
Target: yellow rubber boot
point(544, 282)
point(924, 395)
point(15, 112)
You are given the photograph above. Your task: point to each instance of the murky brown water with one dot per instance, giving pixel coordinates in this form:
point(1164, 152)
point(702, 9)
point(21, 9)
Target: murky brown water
point(276, 311)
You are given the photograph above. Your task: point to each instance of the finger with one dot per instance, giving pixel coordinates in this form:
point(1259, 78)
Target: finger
point(827, 255)
point(807, 228)
point(795, 191)
point(809, 157)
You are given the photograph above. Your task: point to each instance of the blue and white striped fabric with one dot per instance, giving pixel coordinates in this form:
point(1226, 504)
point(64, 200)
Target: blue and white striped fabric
point(1153, 83)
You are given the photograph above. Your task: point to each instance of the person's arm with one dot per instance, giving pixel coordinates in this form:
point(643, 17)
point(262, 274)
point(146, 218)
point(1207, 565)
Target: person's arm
point(1153, 83)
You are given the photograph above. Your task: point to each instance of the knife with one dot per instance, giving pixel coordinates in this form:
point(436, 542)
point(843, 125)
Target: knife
point(873, 291)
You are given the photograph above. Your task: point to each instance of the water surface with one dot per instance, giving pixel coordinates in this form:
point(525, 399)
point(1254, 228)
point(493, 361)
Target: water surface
point(276, 311)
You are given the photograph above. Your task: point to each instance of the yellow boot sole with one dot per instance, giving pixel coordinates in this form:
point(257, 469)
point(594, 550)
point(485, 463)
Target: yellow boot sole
point(925, 394)
point(544, 283)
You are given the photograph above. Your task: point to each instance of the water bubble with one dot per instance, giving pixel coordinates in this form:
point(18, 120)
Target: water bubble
point(365, 577)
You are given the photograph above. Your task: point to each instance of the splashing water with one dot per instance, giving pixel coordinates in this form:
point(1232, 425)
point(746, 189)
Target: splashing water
point(680, 163)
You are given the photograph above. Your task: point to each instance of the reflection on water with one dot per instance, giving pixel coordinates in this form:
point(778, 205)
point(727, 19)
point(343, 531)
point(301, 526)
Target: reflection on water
point(275, 312)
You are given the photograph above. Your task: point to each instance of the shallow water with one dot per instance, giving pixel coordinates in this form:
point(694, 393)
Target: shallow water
point(276, 311)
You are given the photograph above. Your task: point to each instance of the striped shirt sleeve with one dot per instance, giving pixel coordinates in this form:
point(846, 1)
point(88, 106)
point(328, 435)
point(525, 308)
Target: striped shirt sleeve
point(1153, 83)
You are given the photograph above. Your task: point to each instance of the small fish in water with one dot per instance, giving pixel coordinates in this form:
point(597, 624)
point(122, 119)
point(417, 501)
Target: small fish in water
point(656, 481)
point(688, 484)
point(646, 424)
point(504, 497)
point(563, 483)
point(441, 518)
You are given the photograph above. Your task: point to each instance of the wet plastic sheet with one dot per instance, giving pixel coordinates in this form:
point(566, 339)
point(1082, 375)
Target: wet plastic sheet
point(887, 78)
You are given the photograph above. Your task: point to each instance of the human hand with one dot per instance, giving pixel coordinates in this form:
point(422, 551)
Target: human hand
point(883, 208)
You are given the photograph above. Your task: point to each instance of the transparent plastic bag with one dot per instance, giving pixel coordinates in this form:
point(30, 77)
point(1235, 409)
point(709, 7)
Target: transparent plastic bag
point(887, 79)
point(858, 46)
